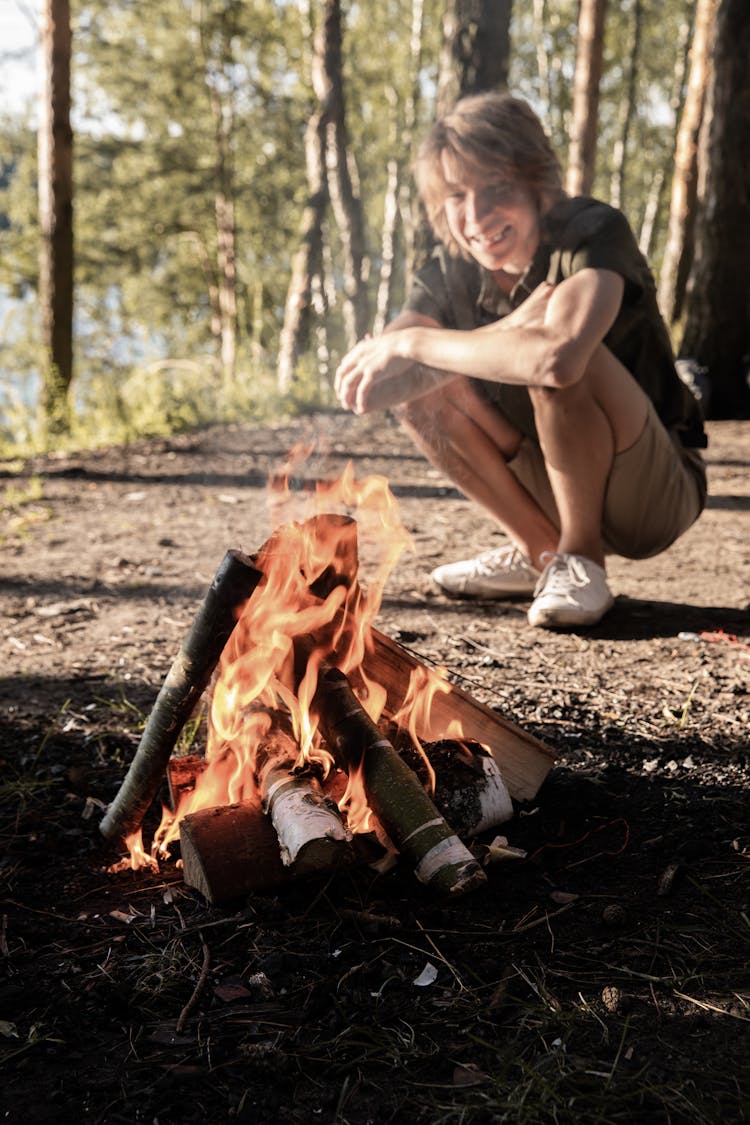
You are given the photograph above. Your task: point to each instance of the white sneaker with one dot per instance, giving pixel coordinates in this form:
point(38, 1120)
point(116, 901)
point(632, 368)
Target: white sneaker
point(572, 590)
point(504, 572)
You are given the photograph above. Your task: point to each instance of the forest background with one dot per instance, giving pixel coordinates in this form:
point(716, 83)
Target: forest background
point(241, 204)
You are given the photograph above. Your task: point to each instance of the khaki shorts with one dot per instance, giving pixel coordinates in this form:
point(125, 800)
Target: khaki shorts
point(656, 490)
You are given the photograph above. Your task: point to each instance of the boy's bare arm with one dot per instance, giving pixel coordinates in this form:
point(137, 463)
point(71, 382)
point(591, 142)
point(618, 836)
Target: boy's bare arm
point(373, 376)
point(547, 341)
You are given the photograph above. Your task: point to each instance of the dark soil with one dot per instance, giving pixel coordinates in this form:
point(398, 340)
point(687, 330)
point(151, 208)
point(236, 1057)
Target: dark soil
point(604, 978)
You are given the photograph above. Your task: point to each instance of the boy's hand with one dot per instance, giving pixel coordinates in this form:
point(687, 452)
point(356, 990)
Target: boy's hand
point(368, 376)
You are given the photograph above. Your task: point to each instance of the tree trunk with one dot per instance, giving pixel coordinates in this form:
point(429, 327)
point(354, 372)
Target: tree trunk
point(227, 271)
point(627, 109)
point(539, 16)
point(655, 198)
point(388, 248)
point(717, 303)
point(55, 139)
point(475, 51)
point(590, 49)
point(342, 187)
point(409, 206)
point(308, 260)
point(306, 292)
point(678, 253)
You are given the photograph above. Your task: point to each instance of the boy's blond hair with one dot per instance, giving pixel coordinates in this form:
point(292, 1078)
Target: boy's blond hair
point(495, 134)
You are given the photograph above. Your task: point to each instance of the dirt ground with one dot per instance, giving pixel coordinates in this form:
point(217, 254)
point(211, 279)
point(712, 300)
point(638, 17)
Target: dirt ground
point(603, 978)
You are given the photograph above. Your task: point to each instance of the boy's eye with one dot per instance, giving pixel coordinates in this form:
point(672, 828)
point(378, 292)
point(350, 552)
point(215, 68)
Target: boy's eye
point(503, 192)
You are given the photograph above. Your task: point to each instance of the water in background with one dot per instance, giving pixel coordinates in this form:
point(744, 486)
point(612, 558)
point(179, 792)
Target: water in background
point(19, 389)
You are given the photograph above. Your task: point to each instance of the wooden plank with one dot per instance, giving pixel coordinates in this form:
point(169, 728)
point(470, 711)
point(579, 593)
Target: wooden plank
point(524, 761)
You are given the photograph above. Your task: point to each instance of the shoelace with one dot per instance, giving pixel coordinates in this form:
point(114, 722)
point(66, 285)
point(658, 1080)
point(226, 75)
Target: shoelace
point(489, 562)
point(562, 571)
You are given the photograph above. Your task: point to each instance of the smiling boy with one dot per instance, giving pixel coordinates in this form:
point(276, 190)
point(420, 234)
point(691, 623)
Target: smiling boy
point(531, 365)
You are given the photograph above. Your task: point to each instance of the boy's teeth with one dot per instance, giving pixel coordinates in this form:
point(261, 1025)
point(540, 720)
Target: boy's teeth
point(495, 238)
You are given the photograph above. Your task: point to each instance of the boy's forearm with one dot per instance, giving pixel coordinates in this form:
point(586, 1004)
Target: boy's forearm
point(523, 356)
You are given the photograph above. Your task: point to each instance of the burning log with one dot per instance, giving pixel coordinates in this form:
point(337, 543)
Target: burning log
point(523, 760)
point(469, 789)
point(310, 830)
point(187, 679)
point(394, 793)
point(231, 851)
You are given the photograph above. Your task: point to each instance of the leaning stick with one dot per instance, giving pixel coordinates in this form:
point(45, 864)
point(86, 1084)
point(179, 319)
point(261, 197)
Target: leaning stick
point(187, 679)
point(393, 791)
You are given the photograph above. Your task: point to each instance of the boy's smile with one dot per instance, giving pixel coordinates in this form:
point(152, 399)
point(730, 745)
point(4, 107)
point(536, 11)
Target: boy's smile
point(495, 221)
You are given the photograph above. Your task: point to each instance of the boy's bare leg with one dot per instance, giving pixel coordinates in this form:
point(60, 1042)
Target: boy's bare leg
point(581, 428)
point(471, 442)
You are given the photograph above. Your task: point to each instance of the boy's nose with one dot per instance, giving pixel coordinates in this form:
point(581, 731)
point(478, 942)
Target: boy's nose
point(478, 206)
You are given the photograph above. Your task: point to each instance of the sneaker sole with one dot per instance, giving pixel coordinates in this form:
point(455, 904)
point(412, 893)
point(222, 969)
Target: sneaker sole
point(487, 596)
point(558, 618)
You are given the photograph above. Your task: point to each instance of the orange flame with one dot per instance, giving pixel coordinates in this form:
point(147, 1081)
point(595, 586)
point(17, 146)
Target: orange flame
point(313, 586)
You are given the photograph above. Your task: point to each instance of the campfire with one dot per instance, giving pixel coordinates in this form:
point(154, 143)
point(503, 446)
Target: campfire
point(327, 742)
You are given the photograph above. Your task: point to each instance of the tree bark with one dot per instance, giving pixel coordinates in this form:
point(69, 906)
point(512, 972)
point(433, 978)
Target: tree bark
point(55, 150)
point(654, 201)
point(304, 298)
point(627, 110)
point(186, 681)
point(218, 75)
point(589, 53)
point(308, 824)
point(392, 790)
point(409, 205)
point(226, 254)
point(717, 305)
point(679, 248)
point(475, 50)
point(387, 248)
point(542, 58)
point(345, 201)
point(402, 806)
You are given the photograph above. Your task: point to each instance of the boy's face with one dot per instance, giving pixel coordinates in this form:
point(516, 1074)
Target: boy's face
point(496, 221)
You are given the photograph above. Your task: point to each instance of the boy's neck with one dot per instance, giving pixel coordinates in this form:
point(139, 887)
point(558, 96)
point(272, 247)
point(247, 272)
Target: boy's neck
point(506, 282)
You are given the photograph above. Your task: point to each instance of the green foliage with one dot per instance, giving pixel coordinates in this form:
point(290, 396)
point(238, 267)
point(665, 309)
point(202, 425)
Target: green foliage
point(179, 106)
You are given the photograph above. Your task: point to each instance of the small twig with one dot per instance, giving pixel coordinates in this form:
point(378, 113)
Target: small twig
point(444, 959)
point(708, 1007)
point(198, 988)
point(544, 920)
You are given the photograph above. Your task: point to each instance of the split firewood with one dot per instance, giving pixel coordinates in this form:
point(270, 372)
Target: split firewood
point(523, 760)
point(393, 791)
point(308, 824)
point(185, 683)
point(230, 851)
